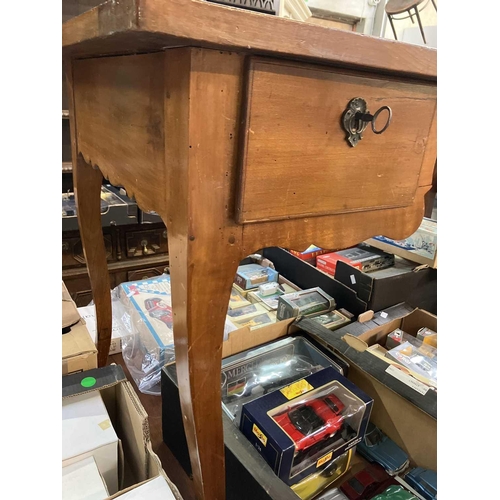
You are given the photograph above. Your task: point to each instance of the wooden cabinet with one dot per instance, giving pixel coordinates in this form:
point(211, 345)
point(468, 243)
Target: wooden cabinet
point(134, 252)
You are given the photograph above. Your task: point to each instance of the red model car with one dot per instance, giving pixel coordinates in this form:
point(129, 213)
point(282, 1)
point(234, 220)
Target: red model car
point(159, 310)
point(367, 483)
point(312, 421)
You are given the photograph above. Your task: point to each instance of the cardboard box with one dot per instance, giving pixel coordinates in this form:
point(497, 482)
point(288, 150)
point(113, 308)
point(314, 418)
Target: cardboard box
point(87, 313)
point(155, 489)
point(394, 393)
point(362, 257)
point(270, 421)
point(403, 282)
point(79, 352)
point(420, 247)
point(137, 462)
point(82, 481)
point(306, 276)
point(252, 275)
point(87, 431)
point(310, 254)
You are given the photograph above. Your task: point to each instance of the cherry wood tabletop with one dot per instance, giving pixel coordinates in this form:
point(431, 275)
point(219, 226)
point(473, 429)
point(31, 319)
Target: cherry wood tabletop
point(129, 26)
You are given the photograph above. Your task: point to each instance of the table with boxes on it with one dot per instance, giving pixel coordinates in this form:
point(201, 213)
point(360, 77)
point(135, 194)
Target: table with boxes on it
point(313, 381)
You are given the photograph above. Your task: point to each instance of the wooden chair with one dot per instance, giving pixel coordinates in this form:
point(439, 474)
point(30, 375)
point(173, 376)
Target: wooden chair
point(395, 7)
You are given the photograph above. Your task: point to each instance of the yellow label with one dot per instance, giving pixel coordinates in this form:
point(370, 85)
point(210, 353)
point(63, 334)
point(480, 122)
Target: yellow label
point(324, 459)
point(260, 435)
point(105, 424)
point(296, 389)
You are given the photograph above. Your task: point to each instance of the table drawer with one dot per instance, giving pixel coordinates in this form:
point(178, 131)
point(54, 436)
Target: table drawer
point(295, 159)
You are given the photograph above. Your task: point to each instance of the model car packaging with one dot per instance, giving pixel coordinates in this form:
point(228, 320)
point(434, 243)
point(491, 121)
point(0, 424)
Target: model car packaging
point(237, 300)
point(332, 320)
point(428, 336)
point(253, 373)
point(362, 257)
point(247, 312)
point(310, 254)
point(421, 360)
point(317, 482)
point(304, 303)
point(254, 321)
point(252, 275)
point(148, 311)
point(420, 247)
point(303, 426)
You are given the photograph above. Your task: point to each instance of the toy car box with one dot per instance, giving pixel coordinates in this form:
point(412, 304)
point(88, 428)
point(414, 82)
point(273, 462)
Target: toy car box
point(332, 320)
point(148, 311)
point(303, 426)
point(404, 281)
point(252, 275)
point(420, 247)
point(394, 390)
point(255, 372)
point(310, 254)
point(362, 257)
point(304, 303)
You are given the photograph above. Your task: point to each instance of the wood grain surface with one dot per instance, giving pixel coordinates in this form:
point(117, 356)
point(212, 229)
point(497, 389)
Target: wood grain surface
point(296, 160)
point(87, 188)
point(120, 122)
point(192, 99)
point(150, 25)
point(201, 110)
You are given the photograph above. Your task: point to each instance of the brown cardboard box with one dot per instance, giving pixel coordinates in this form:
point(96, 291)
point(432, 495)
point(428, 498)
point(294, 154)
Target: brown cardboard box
point(138, 463)
point(79, 352)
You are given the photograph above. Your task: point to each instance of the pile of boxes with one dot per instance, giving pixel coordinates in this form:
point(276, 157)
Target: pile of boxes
point(106, 447)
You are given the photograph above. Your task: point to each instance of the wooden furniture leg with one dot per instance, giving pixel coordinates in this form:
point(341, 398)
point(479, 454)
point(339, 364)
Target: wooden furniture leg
point(87, 186)
point(201, 107)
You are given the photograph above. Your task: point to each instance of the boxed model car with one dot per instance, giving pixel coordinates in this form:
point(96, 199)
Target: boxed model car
point(252, 275)
point(303, 426)
point(304, 303)
point(253, 373)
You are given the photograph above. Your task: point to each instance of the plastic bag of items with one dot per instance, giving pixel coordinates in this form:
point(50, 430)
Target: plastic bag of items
point(142, 310)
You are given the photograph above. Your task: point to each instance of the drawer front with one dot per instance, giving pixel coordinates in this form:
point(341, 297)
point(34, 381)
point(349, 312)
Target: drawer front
point(144, 274)
point(146, 243)
point(72, 251)
point(296, 161)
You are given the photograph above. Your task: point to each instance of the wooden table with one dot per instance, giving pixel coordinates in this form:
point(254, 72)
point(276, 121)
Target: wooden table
point(228, 123)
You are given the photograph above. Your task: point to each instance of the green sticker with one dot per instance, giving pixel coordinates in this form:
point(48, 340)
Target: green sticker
point(88, 382)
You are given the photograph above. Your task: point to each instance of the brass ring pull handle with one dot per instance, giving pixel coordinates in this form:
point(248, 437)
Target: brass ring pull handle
point(356, 118)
